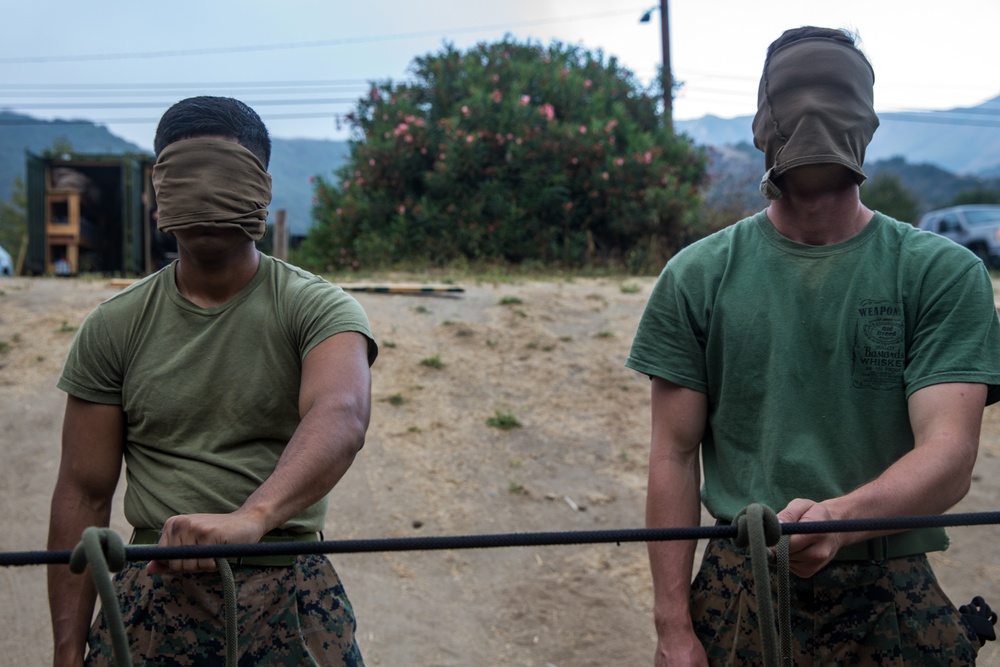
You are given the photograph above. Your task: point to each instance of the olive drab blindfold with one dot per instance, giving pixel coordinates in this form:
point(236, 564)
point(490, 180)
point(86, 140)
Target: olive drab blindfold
point(815, 105)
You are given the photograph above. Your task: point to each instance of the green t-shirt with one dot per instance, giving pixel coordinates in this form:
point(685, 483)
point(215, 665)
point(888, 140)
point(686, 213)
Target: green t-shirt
point(210, 395)
point(809, 353)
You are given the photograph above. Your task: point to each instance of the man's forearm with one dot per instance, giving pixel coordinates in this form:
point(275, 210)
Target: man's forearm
point(314, 461)
point(71, 596)
point(672, 500)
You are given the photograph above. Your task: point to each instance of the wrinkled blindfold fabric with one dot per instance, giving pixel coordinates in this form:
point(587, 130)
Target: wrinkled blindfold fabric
point(211, 182)
point(815, 105)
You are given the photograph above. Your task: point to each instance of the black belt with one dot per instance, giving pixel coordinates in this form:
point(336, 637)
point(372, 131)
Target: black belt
point(150, 536)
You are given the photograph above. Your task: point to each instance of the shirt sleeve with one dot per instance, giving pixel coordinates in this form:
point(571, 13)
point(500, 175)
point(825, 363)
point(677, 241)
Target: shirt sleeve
point(670, 340)
point(957, 333)
point(321, 309)
point(93, 371)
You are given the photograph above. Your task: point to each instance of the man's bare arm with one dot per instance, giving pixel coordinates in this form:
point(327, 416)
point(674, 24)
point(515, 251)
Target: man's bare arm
point(92, 444)
point(672, 500)
point(335, 405)
point(946, 421)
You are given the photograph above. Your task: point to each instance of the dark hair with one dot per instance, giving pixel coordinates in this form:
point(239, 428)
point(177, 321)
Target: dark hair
point(207, 115)
point(807, 31)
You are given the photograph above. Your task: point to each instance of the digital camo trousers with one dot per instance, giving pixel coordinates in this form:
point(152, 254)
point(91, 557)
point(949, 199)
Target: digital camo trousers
point(890, 612)
point(289, 616)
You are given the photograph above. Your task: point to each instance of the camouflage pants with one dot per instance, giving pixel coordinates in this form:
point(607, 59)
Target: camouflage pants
point(290, 616)
point(850, 613)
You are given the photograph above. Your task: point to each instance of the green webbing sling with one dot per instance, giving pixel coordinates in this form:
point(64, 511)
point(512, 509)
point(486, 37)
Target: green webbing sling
point(758, 528)
point(104, 550)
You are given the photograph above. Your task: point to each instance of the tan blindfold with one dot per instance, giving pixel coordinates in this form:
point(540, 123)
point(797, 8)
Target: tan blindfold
point(211, 182)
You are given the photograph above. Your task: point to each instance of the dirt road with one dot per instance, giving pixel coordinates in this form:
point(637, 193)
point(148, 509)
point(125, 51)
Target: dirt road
point(547, 355)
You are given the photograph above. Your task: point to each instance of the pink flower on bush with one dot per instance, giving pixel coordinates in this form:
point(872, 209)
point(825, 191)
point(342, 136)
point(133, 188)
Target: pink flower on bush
point(402, 209)
point(647, 157)
point(604, 175)
point(588, 83)
point(611, 124)
point(547, 110)
point(465, 110)
point(371, 162)
point(518, 141)
point(525, 100)
point(347, 184)
point(575, 160)
point(619, 162)
point(374, 94)
point(469, 139)
point(408, 138)
point(583, 129)
point(496, 95)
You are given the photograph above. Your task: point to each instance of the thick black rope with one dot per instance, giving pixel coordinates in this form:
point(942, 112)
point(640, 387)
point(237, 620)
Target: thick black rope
point(491, 541)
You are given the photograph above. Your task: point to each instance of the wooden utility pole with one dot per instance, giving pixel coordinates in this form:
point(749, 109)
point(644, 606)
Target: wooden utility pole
point(668, 77)
point(280, 249)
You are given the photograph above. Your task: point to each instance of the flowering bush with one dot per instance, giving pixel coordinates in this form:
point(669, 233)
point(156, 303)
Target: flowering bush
point(508, 152)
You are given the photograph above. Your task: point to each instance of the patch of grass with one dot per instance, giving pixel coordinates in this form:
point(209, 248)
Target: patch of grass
point(516, 489)
point(630, 288)
point(395, 399)
point(433, 362)
point(389, 343)
point(65, 327)
point(463, 333)
point(518, 311)
point(4, 347)
point(604, 334)
point(566, 339)
point(421, 310)
point(503, 421)
point(510, 301)
point(491, 343)
point(414, 429)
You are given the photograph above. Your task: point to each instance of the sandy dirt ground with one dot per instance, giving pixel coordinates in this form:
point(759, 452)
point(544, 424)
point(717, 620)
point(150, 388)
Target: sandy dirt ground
point(549, 354)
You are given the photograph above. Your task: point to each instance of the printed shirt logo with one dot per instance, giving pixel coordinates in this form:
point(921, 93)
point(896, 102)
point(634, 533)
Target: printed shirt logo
point(879, 355)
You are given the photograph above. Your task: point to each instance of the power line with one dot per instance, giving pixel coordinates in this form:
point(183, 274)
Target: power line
point(23, 60)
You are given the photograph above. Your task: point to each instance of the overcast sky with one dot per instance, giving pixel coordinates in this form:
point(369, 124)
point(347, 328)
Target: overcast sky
point(300, 63)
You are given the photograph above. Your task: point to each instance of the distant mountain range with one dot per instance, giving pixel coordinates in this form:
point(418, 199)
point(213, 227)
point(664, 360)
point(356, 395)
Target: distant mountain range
point(293, 161)
point(964, 141)
point(937, 144)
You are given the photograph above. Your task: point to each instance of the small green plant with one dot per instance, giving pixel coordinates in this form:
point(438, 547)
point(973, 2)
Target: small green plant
point(433, 362)
point(389, 344)
point(66, 328)
point(630, 288)
point(414, 429)
point(463, 333)
point(421, 310)
point(490, 342)
point(515, 489)
point(604, 334)
point(510, 301)
point(395, 399)
point(4, 347)
point(503, 421)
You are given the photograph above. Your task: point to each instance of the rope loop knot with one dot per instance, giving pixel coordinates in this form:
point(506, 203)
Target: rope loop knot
point(98, 543)
point(752, 516)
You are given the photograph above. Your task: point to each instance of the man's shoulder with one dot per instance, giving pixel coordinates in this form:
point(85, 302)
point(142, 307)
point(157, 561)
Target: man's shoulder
point(712, 249)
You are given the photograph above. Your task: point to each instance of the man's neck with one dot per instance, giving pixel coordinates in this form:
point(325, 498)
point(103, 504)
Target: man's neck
point(819, 218)
point(209, 281)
